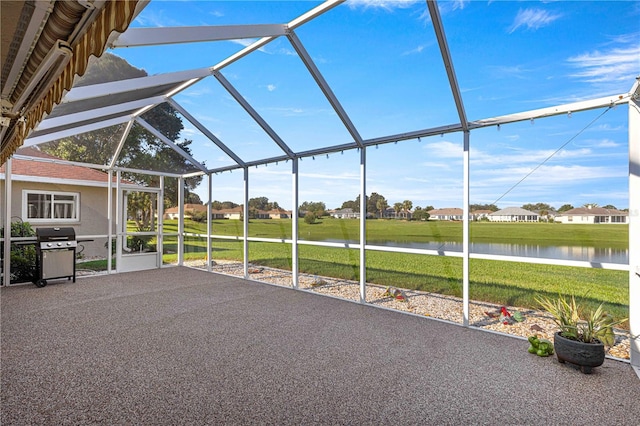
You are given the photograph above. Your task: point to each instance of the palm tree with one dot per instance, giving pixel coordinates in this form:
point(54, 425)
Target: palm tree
point(382, 206)
point(406, 206)
point(398, 208)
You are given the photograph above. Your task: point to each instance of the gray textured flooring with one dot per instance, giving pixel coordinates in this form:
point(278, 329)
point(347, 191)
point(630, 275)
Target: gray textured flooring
point(179, 346)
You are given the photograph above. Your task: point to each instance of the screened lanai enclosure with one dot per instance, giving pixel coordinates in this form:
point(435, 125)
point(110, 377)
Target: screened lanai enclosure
point(377, 151)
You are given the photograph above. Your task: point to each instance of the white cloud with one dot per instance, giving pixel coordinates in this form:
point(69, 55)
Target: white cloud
point(615, 65)
point(451, 6)
point(532, 19)
point(271, 87)
point(414, 51)
point(512, 71)
point(525, 157)
point(331, 176)
point(604, 143)
point(444, 149)
point(243, 41)
point(382, 4)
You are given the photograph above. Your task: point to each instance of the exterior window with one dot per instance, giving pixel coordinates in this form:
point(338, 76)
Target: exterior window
point(47, 206)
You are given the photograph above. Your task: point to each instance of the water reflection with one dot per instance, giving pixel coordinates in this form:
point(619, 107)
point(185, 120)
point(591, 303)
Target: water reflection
point(588, 254)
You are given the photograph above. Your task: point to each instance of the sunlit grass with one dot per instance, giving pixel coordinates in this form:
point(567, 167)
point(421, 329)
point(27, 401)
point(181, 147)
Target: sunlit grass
point(500, 282)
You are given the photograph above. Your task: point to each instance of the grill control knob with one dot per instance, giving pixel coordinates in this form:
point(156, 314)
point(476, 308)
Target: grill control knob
point(59, 244)
point(49, 244)
point(68, 243)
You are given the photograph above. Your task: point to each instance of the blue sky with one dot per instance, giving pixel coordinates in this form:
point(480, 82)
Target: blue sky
point(382, 61)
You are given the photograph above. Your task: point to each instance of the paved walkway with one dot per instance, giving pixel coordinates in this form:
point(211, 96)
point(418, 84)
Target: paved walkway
point(180, 346)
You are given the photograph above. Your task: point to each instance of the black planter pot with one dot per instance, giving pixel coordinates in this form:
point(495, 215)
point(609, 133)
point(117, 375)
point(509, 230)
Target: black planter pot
point(584, 355)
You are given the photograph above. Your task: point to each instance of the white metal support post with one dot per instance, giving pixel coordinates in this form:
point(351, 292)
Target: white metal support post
point(245, 224)
point(294, 224)
point(109, 221)
point(119, 219)
point(180, 221)
point(160, 225)
point(6, 265)
point(465, 232)
point(209, 212)
point(363, 224)
point(634, 227)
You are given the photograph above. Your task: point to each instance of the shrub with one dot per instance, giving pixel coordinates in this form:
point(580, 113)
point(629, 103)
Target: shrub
point(23, 257)
point(198, 216)
point(310, 218)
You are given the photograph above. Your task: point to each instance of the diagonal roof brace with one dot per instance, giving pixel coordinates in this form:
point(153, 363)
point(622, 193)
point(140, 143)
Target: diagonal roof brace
point(123, 139)
point(206, 131)
point(171, 144)
point(253, 113)
point(322, 83)
point(448, 63)
point(300, 20)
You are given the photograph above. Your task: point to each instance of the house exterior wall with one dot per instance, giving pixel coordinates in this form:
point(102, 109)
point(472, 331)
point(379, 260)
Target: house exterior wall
point(591, 219)
point(93, 210)
point(513, 218)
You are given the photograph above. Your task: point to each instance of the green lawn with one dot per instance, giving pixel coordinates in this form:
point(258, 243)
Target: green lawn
point(509, 283)
point(612, 236)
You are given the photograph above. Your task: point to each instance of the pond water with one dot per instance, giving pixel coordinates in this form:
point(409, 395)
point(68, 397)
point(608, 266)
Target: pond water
point(588, 254)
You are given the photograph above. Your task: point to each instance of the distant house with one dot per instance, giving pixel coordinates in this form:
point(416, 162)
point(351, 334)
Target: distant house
point(189, 210)
point(345, 214)
point(586, 215)
point(446, 214)
point(234, 213)
point(514, 214)
point(389, 213)
point(480, 214)
point(279, 214)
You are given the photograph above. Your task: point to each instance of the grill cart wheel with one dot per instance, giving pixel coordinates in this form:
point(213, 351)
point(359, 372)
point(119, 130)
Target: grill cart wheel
point(41, 283)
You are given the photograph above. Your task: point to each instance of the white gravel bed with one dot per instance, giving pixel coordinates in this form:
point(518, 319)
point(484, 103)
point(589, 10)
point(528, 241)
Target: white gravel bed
point(417, 302)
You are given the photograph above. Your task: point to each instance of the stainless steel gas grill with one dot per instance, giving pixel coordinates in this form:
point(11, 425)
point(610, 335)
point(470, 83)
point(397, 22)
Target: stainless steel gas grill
point(55, 254)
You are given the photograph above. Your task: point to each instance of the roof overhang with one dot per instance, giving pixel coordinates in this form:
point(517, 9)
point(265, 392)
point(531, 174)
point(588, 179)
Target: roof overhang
point(45, 44)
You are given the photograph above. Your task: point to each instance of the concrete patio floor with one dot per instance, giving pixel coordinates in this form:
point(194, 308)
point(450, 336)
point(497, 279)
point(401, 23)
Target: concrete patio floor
point(181, 346)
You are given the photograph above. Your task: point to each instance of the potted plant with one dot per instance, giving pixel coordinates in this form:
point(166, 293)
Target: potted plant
point(583, 333)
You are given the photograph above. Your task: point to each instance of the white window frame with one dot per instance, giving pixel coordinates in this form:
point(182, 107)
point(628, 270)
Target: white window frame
point(53, 194)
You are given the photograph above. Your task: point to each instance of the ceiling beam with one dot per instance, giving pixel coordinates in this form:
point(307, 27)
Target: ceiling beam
point(133, 84)
point(70, 120)
point(65, 133)
point(607, 101)
point(134, 37)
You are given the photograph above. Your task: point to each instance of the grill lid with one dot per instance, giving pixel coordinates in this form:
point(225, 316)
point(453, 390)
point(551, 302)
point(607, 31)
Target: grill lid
point(55, 234)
